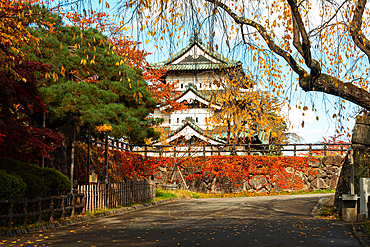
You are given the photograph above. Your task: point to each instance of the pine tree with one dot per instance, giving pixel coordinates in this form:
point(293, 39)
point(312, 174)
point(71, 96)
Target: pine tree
point(90, 85)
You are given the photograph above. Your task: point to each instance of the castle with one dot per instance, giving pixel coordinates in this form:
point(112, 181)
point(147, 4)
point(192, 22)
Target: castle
point(196, 68)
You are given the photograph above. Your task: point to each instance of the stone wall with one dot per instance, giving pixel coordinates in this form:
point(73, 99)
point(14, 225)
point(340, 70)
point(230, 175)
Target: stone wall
point(360, 157)
point(327, 171)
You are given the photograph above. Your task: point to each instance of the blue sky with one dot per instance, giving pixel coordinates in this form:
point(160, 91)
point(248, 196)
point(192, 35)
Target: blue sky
point(313, 130)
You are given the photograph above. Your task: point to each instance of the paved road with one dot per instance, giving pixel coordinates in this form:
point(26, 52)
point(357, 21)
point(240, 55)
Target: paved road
point(253, 221)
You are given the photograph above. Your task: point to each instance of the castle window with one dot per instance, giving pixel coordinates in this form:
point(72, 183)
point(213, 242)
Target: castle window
point(169, 120)
point(196, 119)
point(200, 85)
point(177, 120)
point(182, 86)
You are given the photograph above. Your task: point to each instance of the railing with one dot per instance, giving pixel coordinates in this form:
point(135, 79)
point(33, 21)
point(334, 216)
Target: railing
point(227, 149)
point(28, 208)
point(242, 149)
point(112, 195)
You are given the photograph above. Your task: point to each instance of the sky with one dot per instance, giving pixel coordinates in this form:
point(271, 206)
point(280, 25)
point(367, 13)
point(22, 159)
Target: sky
point(313, 131)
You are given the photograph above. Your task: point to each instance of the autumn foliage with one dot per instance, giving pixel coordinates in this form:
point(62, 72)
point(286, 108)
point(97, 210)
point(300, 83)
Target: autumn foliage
point(279, 171)
point(20, 98)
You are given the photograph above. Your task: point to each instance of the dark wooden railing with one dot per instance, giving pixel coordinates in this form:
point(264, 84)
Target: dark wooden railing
point(243, 149)
point(28, 208)
point(227, 149)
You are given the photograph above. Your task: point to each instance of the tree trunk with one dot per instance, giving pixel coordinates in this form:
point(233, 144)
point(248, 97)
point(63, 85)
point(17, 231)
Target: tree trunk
point(73, 152)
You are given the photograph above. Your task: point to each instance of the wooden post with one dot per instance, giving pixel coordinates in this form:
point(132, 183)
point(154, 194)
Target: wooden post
point(73, 153)
point(10, 213)
point(146, 153)
point(89, 153)
point(84, 203)
point(43, 125)
point(106, 160)
point(39, 209)
point(324, 149)
point(310, 147)
point(295, 148)
point(341, 149)
point(352, 180)
point(25, 211)
point(73, 204)
point(52, 208)
point(63, 206)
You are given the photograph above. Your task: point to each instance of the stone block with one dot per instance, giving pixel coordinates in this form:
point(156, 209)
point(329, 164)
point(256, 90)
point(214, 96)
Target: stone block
point(258, 182)
point(363, 120)
point(361, 134)
point(276, 188)
point(310, 178)
point(320, 173)
point(332, 160)
point(314, 162)
point(361, 217)
point(319, 183)
point(334, 182)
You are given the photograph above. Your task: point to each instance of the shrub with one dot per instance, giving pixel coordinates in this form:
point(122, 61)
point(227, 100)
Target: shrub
point(56, 181)
point(11, 186)
point(40, 181)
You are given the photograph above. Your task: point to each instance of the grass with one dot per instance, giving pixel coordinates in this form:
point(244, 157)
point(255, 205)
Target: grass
point(367, 226)
point(189, 195)
point(329, 212)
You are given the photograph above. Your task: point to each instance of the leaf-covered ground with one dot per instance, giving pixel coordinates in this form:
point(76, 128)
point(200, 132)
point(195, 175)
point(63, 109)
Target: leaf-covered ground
point(243, 221)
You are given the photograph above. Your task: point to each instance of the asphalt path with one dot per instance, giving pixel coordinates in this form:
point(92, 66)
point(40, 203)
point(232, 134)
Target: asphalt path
point(243, 221)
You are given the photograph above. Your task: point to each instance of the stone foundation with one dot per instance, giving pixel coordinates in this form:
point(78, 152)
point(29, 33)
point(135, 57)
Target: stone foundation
point(327, 171)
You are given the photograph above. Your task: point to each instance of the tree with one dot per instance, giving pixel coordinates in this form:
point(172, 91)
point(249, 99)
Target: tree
point(245, 110)
point(19, 95)
point(90, 85)
point(325, 44)
point(164, 93)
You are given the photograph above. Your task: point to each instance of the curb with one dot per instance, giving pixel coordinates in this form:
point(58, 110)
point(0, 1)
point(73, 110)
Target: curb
point(362, 240)
point(84, 218)
point(320, 205)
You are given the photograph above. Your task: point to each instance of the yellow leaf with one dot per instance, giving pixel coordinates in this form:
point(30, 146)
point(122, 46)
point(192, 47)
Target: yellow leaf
point(63, 71)
point(104, 128)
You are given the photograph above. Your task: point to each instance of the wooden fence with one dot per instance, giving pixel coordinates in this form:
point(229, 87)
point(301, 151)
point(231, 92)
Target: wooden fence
point(154, 150)
point(26, 209)
point(112, 195)
point(242, 149)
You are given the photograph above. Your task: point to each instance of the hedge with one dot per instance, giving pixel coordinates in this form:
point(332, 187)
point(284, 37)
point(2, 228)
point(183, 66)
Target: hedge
point(39, 181)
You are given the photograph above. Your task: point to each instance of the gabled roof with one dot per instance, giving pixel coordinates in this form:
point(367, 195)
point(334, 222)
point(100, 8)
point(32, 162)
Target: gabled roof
point(262, 136)
point(195, 95)
point(209, 60)
point(189, 129)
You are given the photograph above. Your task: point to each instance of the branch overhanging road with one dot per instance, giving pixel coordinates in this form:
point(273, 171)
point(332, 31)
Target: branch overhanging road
point(243, 221)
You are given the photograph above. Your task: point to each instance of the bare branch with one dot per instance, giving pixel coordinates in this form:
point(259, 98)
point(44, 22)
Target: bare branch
point(263, 32)
point(355, 28)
